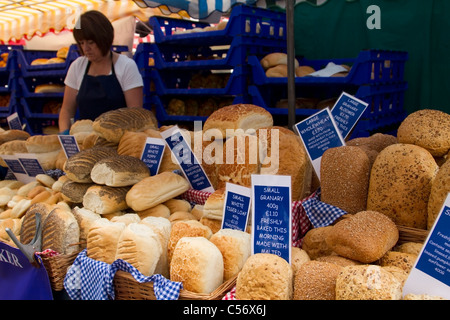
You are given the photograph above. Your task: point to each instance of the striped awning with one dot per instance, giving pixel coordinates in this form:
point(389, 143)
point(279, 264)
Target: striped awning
point(25, 19)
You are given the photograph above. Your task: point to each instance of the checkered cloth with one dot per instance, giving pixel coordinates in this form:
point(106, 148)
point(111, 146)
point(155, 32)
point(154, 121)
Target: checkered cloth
point(89, 279)
point(320, 213)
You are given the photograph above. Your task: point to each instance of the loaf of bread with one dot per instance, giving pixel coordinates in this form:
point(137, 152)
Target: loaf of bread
point(139, 246)
point(213, 207)
point(302, 71)
point(427, 128)
point(105, 199)
point(113, 124)
point(276, 58)
point(175, 205)
point(43, 143)
point(159, 210)
point(298, 257)
point(119, 171)
point(367, 282)
point(73, 192)
point(60, 232)
point(314, 242)
point(102, 240)
point(198, 264)
point(213, 156)
point(278, 71)
point(439, 190)
point(365, 236)
point(265, 276)
point(400, 184)
point(234, 117)
point(28, 226)
point(344, 178)
point(155, 190)
point(13, 134)
point(85, 219)
point(402, 260)
point(339, 260)
point(316, 280)
point(10, 148)
point(235, 246)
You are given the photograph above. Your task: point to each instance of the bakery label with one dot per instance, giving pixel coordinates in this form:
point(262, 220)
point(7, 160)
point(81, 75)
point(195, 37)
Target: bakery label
point(187, 160)
point(237, 207)
point(319, 132)
point(30, 163)
point(431, 272)
point(346, 112)
point(152, 154)
point(16, 168)
point(69, 145)
point(14, 122)
point(272, 215)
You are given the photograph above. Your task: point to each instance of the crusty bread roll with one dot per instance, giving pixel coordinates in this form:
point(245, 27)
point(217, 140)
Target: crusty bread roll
point(302, 71)
point(102, 240)
point(85, 218)
point(62, 52)
point(365, 236)
point(439, 190)
point(339, 260)
point(79, 126)
point(13, 224)
point(198, 264)
point(214, 224)
point(119, 171)
point(314, 242)
point(276, 58)
point(38, 61)
point(175, 205)
point(367, 282)
point(74, 192)
point(344, 178)
point(60, 232)
point(402, 260)
point(159, 210)
point(237, 116)
point(400, 184)
point(139, 245)
point(49, 88)
point(298, 257)
point(13, 134)
point(154, 190)
point(265, 276)
point(278, 71)
point(213, 207)
point(235, 246)
point(105, 199)
point(427, 128)
point(409, 247)
point(113, 124)
point(43, 143)
point(316, 280)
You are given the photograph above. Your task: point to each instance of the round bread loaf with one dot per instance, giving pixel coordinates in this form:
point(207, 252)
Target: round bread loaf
point(427, 128)
point(103, 239)
point(237, 116)
point(84, 125)
point(265, 276)
point(367, 282)
point(377, 141)
point(302, 71)
point(314, 242)
point(402, 260)
point(235, 246)
point(400, 184)
point(409, 247)
point(119, 171)
point(298, 257)
point(278, 71)
point(198, 264)
point(365, 236)
point(113, 124)
point(132, 144)
point(316, 280)
point(105, 199)
point(344, 178)
point(439, 190)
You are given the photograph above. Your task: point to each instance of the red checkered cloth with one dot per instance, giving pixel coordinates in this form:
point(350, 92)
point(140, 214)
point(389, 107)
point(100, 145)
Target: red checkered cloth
point(231, 295)
point(48, 253)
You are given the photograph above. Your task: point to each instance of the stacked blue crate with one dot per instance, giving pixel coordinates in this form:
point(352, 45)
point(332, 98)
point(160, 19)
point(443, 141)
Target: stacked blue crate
point(8, 82)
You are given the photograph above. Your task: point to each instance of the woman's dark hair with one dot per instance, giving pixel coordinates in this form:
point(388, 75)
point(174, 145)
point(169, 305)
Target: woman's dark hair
point(94, 25)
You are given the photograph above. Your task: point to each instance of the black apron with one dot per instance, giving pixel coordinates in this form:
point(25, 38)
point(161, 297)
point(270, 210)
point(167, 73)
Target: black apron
point(99, 94)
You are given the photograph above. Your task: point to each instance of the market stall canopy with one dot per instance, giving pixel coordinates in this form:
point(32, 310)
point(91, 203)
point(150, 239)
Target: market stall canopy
point(25, 19)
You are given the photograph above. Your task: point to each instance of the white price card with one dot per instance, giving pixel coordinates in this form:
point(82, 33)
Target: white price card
point(69, 145)
point(14, 122)
point(431, 272)
point(272, 215)
point(236, 207)
point(17, 169)
point(30, 163)
point(152, 154)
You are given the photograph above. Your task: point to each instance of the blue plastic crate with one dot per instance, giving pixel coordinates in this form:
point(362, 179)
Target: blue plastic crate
point(369, 67)
point(244, 21)
point(40, 108)
point(27, 86)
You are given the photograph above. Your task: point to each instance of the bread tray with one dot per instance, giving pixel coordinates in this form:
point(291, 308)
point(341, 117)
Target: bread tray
point(127, 288)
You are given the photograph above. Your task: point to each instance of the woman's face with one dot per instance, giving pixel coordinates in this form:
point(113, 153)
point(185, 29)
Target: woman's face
point(91, 50)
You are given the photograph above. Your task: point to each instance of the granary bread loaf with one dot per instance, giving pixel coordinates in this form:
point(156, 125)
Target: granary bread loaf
point(237, 116)
point(113, 124)
point(402, 260)
point(102, 240)
point(400, 184)
point(367, 282)
point(365, 236)
point(265, 276)
point(235, 246)
point(60, 232)
point(154, 190)
point(316, 280)
point(440, 188)
point(105, 199)
point(79, 166)
point(344, 178)
point(139, 246)
point(427, 128)
point(298, 257)
point(314, 242)
point(119, 171)
point(198, 264)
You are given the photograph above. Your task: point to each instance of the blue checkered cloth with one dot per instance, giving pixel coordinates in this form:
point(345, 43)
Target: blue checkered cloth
point(89, 279)
point(319, 213)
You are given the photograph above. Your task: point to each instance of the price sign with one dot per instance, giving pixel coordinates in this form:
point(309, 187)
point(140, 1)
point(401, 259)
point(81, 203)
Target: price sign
point(69, 145)
point(271, 215)
point(14, 121)
point(431, 272)
point(152, 154)
point(346, 112)
point(237, 207)
point(16, 168)
point(30, 163)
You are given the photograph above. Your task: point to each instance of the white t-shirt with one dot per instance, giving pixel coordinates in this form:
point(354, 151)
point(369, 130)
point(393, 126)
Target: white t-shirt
point(126, 70)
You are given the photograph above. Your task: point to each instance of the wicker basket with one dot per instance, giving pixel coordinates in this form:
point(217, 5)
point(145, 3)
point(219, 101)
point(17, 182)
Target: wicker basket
point(408, 234)
point(56, 267)
point(127, 288)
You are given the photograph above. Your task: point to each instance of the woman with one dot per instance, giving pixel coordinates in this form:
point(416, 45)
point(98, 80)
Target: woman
point(100, 79)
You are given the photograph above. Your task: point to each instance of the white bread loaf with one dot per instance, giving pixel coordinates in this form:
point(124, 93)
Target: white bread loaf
point(126, 218)
point(235, 246)
point(85, 218)
point(213, 207)
point(103, 238)
point(154, 190)
point(104, 199)
point(198, 264)
point(13, 134)
point(159, 210)
point(175, 205)
point(139, 246)
point(43, 143)
point(61, 232)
